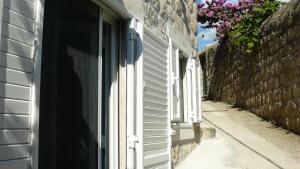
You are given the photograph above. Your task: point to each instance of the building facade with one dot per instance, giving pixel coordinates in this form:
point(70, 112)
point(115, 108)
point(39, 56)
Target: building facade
point(95, 84)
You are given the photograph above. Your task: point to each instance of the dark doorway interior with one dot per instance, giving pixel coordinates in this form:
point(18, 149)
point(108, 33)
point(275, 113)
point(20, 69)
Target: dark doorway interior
point(182, 71)
point(106, 83)
point(69, 87)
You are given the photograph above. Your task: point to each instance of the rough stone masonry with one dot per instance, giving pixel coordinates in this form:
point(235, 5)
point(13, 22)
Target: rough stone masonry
point(268, 83)
point(173, 17)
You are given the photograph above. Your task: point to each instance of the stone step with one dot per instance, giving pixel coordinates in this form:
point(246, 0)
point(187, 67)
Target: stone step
point(207, 131)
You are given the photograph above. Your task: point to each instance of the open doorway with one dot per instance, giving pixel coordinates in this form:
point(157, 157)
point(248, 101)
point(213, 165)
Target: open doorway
point(182, 93)
point(78, 91)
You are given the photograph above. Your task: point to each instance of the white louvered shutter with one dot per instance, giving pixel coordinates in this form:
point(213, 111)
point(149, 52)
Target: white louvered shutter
point(198, 90)
point(175, 84)
point(156, 103)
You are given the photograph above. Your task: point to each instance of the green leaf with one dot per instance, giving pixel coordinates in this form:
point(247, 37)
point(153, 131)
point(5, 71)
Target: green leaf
point(250, 45)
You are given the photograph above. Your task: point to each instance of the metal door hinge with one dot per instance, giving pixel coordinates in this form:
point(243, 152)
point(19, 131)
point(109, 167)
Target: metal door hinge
point(35, 46)
point(171, 132)
point(132, 141)
point(132, 34)
point(103, 142)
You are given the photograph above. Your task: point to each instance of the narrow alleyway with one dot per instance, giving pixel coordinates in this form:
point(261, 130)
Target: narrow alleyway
point(243, 141)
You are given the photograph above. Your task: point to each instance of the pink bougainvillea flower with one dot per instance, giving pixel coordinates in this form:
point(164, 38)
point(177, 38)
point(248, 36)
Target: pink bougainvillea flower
point(228, 5)
point(210, 14)
point(224, 15)
point(201, 5)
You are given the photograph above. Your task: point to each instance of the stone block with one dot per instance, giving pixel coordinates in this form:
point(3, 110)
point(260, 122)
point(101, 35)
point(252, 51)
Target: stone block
point(296, 90)
point(184, 133)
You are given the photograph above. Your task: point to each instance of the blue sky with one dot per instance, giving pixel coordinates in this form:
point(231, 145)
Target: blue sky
point(206, 37)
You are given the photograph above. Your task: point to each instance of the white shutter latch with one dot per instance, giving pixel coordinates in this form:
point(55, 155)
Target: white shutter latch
point(132, 141)
point(171, 132)
point(35, 46)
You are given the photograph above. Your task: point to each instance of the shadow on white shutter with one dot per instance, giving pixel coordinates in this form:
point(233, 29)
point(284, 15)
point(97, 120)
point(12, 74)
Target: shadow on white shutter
point(156, 102)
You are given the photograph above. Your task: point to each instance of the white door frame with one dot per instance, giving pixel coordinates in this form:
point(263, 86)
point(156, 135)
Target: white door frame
point(35, 91)
point(130, 152)
point(135, 88)
point(111, 18)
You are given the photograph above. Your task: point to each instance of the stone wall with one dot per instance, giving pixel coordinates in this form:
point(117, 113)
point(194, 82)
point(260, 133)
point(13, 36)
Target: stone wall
point(176, 18)
point(168, 18)
point(268, 83)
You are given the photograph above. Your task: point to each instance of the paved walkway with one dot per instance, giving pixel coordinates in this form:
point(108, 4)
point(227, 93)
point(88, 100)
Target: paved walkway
point(243, 141)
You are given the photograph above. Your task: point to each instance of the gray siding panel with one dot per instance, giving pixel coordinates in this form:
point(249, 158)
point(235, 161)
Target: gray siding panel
point(16, 48)
point(15, 33)
point(15, 77)
point(15, 164)
point(156, 104)
point(14, 92)
point(31, 2)
point(16, 67)
point(14, 137)
point(10, 152)
point(21, 7)
point(8, 106)
point(18, 20)
point(16, 62)
point(14, 122)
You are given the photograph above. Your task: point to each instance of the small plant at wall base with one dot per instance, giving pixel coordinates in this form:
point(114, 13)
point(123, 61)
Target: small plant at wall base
point(238, 23)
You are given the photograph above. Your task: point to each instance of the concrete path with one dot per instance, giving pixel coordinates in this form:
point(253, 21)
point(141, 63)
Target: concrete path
point(243, 141)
